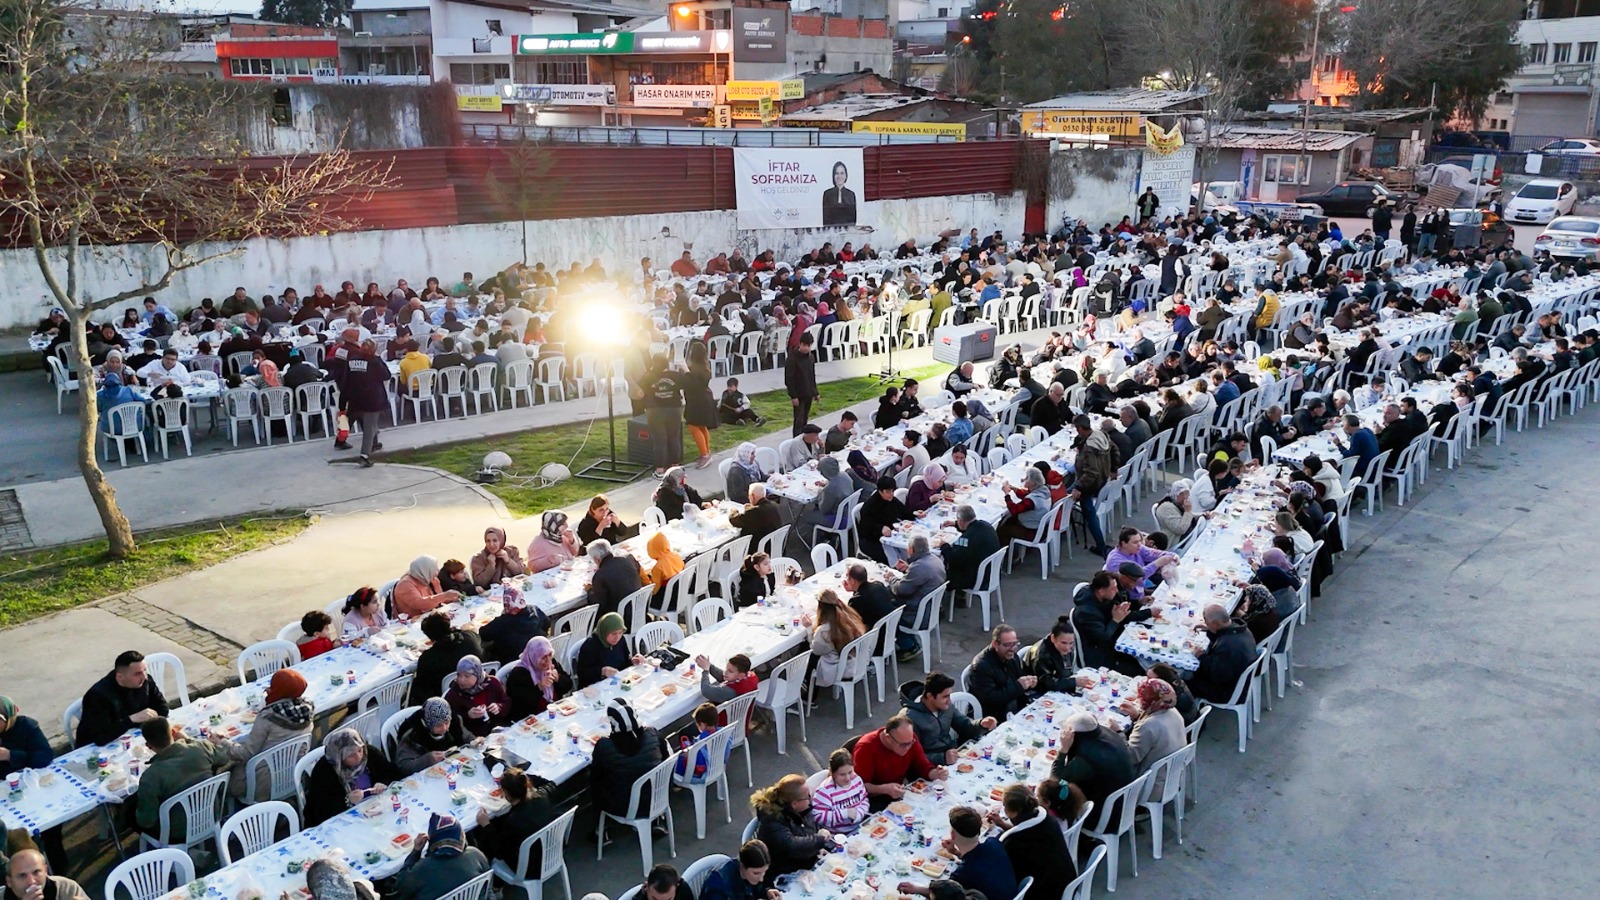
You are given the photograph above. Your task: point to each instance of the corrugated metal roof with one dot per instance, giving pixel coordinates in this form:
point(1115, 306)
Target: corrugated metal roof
point(1239, 138)
point(1338, 114)
point(1121, 100)
point(846, 108)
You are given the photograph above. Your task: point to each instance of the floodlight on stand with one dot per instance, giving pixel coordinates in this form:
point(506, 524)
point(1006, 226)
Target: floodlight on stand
point(599, 323)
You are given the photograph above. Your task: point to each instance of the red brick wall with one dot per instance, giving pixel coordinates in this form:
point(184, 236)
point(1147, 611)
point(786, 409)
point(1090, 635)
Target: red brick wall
point(844, 28)
point(807, 25)
point(875, 28)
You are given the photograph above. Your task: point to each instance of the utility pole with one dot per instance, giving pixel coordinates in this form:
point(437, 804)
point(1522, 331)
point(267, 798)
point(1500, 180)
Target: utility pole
point(1305, 108)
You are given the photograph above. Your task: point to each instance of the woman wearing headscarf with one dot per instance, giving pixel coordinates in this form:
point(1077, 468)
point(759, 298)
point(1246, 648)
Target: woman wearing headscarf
point(427, 736)
point(555, 544)
point(418, 593)
point(1174, 513)
point(777, 330)
point(925, 491)
point(478, 698)
point(348, 773)
point(266, 374)
point(1007, 367)
point(497, 560)
point(505, 635)
point(1275, 573)
point(621, 757)
point(863, 477)
point(331, 879)
point(285, 717)
point(538, 682)
point(825, 316)
point(835, 491)
point(114, 393)
point(604, 653)
point(1157, 727)
point(1259, 611)
point(804, 318)
point(673, 492)
point(745, 471)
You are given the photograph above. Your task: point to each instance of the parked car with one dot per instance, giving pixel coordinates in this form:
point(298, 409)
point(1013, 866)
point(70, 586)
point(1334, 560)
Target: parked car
point(1571, 237)
point(1477, 228)
point(1350, 198)
point(1572, 147)
point(1542, 200)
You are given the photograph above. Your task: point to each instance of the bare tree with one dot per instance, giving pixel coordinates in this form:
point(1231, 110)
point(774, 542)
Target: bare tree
point(102, 148)
point(526, 182)
point(1416, 51)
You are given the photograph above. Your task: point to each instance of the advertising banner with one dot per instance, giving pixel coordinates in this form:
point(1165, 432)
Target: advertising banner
point(760, 35)
point(799, 188)
point(1171, 176)
point(675, 95)
point(793, 89)
point(956, 130)
point(1065, 121)
point(478, 102)
point(561, 94)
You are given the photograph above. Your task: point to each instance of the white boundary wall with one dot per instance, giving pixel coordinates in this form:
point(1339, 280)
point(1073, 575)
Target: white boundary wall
point(270, 265)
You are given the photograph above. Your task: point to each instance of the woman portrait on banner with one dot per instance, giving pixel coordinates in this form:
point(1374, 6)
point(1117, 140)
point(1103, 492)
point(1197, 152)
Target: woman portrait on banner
point(839, 202)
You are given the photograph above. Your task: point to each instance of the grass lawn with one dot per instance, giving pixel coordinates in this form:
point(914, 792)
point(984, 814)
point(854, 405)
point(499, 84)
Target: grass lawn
point(38, 582)
point(533, 449)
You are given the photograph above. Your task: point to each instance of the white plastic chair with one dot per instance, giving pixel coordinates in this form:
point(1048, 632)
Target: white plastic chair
point(884, 657)
point(302, 773)
point(265, 658)
point(420, 394)
point(122, 424)
point(278, 762)
point(1240, 701)
point(551, 841)
point(709, 612)
point(824, 557)
point(482, 385)
point(633, 608)
point(202, 815)
point(652, 517)
point(781, 693)
point(150, 875)
point(737, 712)
point(314, 404)
point(986, 588)
point(242, 407)
point(170, 416)
point(386, 699)
point(389, 734)
point(1046, 539)
point(255, 828)
point(70, 718)
point(1080, 887)
point(715, 751)
point(579, 621)
point(277, 405)
point(550, 381)
point(1169, 772)
point(1124, 803)
point(929, 637)
point(518, 381)
point(772, 545)
point(967, 704)
point(654, 634)
point(478, 888)
point(1191, 774)
point(158, 666)
point(854, 666)
point(845, 529)
point(699, 871)
point(654, 785)
point(65, 383)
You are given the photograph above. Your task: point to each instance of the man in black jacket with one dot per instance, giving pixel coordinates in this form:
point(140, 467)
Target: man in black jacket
point(615, 577)
point(871, 599)
point(1232, 651)
point(963, 556)
point(124, 699)
point(800, 380)
point(760, 517)
point(1100, 620)
point(996, 677)
point(363, 392)
point(439, 660)
point(1051, 411)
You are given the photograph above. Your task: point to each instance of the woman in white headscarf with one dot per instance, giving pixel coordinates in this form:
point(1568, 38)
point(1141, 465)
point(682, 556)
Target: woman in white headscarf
point(555, 544)
point(744, 472)
point(1174, 514)
point(925, 491)
point(417, 593)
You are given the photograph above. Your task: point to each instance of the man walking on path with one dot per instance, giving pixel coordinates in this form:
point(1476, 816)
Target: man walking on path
point(800, 379)
point(365, 394)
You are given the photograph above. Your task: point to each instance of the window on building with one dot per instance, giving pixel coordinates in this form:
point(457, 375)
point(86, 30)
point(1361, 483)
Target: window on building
point(685, 73)
point(1285, 170)
point(1586, 51)
point(1330, 64)
point(479, 73)
point(1561, 53)
point(717, 19)
point(1537, 54)
point(944, 12)
point(282, 112)
point(552, 71)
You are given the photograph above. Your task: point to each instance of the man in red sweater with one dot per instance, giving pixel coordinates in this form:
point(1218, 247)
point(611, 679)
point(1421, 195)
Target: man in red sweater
point(888, 757)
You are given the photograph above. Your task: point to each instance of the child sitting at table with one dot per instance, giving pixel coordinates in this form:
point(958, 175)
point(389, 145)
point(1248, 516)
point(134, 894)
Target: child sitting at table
point(315, 641)
point(840, 802)
point(735, 679)
point(701, 727)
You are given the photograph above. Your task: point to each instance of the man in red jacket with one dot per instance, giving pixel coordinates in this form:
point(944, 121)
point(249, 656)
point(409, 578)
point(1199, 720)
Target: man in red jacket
point(886, 758)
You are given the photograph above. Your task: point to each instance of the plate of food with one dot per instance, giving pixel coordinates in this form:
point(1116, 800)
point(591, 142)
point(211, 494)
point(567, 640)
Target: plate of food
point(839, 874)
point(566, 707)
point(878, 831)
point(435, 772)
point(899, 807)
point(667, 690)
point(997, 794)
point(964, 768)
point(933, 868)
point(919, 786)
point(401, 840)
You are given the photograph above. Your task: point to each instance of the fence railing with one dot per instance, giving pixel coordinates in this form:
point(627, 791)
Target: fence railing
point(1556, 164)
point(695, 137)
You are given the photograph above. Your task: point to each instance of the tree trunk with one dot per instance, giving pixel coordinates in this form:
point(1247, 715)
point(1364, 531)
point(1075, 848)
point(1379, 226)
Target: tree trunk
point(119, 534)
